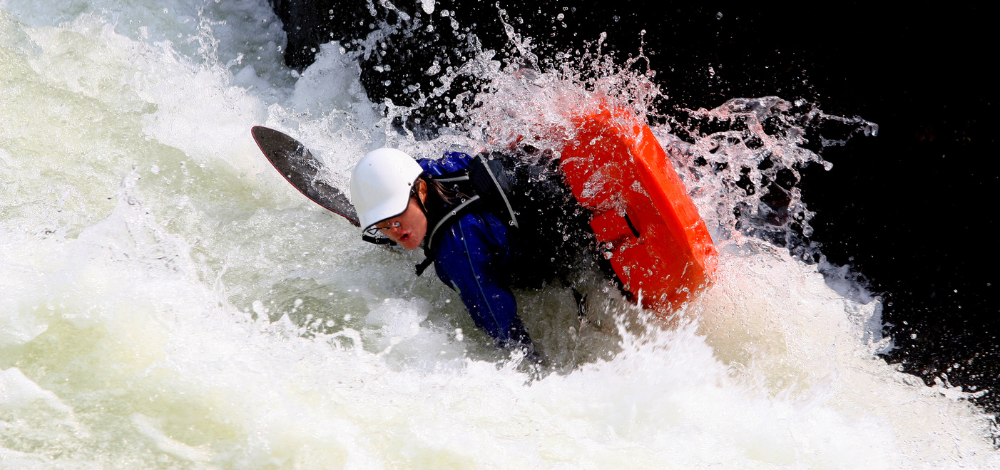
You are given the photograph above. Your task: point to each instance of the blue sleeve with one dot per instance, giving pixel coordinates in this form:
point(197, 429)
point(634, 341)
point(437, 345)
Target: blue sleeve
point(450, 162)
point(470, 257)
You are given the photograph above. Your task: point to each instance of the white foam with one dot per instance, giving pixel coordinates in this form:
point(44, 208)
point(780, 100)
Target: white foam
point(202, 314)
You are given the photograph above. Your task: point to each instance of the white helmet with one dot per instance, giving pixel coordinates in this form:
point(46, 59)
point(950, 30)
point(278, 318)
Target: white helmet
point(381, 184)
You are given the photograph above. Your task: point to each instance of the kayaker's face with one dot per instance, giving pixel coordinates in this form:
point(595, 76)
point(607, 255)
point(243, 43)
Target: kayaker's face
point(409, 228)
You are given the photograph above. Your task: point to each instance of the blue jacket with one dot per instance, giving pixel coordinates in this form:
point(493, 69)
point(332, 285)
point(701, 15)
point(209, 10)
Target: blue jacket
point(472, 257)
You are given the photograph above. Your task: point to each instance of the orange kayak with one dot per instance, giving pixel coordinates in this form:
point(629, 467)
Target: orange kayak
point(647, 225)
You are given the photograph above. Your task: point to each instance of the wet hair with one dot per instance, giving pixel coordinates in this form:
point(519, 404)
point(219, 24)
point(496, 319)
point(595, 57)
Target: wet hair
point(449, 196)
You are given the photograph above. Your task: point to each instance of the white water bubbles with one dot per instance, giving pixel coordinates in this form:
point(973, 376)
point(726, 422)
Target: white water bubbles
point(782, 331)
point(110, 300)
point(33, 413)
point(329, 112)
point(398, 330)
point(234, 32)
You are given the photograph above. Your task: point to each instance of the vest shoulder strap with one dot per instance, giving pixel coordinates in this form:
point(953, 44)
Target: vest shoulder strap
point(492, 181)
point(487, 183)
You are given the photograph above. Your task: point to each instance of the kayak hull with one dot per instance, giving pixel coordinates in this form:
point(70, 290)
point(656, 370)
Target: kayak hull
point(645, 223)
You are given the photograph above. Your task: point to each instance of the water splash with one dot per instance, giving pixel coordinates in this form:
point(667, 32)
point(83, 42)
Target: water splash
point(171, 304)
point(742, 162)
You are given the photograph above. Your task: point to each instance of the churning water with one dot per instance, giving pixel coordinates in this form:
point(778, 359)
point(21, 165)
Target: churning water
point(168, 301)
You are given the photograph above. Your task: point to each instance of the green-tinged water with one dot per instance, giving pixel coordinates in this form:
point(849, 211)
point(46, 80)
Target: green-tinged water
point(168, 301)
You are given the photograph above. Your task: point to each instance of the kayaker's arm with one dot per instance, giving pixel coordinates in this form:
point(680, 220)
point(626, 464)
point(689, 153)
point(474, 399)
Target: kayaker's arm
point(468, 260)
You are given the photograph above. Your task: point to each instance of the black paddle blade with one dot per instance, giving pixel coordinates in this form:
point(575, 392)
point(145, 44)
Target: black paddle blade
point(299, 167)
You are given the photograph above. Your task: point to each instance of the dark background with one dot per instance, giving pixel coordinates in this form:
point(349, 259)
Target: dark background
point(912, 210)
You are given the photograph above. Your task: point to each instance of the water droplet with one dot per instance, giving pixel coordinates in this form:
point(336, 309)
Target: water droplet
point(427, 6)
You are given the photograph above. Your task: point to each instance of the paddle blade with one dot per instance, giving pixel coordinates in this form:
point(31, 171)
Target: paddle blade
point(294, 161)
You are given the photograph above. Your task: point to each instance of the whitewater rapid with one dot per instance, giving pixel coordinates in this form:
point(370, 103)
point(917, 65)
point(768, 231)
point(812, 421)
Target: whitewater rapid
point(168, 301)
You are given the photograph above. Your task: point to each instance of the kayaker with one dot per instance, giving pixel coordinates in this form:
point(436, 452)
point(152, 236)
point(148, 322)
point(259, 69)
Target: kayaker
point(464, 212)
